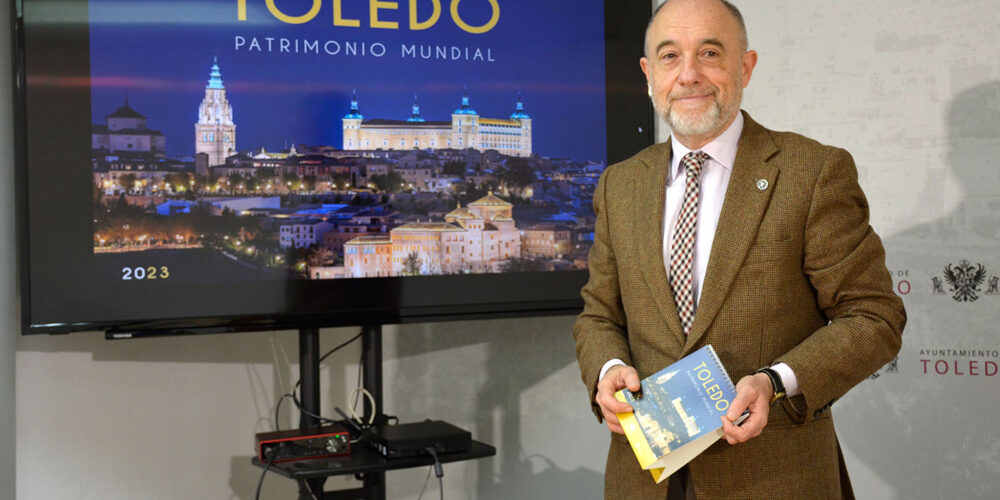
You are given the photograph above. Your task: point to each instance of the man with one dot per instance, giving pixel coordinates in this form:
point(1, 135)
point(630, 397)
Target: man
point(751, 240)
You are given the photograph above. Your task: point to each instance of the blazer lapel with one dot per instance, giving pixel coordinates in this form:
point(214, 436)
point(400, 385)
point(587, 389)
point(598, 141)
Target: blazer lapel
point(742, 210)
point(650, 197)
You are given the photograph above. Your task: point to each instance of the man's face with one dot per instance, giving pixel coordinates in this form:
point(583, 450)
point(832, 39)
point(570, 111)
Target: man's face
point(696, 68)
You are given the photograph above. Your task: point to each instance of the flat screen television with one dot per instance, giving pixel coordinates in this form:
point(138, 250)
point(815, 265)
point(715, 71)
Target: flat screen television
point(237, 165)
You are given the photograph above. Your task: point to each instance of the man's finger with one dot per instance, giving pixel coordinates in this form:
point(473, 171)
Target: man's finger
point(631, 379)
point(741, 434)
point(731, 432)
point(614, 425)
point(608, 402)
point(740, 403)
point(750, 428)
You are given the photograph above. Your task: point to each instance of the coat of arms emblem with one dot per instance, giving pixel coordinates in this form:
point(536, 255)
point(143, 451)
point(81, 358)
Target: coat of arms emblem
point(964, 280)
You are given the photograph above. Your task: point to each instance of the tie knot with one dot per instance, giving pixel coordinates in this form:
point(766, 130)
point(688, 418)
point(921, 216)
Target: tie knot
point(693, 162)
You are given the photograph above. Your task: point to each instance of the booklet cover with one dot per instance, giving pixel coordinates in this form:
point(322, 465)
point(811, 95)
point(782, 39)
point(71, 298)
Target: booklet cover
point(676, 414)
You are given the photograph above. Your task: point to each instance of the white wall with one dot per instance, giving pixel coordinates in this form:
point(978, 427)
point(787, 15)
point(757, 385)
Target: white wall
point(175, 417)
point(8, 293)
point(912, 90)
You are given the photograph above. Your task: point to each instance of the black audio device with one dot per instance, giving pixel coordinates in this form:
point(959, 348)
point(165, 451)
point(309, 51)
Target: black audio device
point(302, 444)
point(407, 440)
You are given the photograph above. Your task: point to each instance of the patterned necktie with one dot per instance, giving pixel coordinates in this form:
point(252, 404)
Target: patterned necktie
point(682, 246)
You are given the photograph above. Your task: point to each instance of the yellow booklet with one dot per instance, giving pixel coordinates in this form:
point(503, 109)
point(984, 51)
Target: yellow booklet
point(677, 412)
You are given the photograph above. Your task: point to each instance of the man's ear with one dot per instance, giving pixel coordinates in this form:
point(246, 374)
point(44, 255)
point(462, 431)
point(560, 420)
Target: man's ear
point(749, 62)
point(644, 64)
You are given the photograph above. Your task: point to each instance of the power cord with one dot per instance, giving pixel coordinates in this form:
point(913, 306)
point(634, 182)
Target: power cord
point(371, 400)
point(426, 480)
point(260, 483)
point(293, 395)
point(310, 488)
point(438, 471)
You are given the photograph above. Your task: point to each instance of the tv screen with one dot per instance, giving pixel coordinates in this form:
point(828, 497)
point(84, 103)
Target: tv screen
point(223, 165)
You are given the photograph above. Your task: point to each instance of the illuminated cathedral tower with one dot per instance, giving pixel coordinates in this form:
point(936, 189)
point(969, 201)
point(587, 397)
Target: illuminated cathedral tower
point(523, 141)
point(415, 117)
point(464, 125)
point(352, 125)
point(215, 132)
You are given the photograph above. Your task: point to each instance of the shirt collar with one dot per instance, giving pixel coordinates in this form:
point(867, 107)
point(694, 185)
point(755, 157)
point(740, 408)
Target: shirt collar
point(722, 149)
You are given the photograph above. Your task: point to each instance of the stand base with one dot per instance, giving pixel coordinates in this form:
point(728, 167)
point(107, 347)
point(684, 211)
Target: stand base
point(363, 460)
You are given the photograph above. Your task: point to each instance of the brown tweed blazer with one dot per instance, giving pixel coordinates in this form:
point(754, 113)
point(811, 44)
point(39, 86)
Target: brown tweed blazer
point(796, 275)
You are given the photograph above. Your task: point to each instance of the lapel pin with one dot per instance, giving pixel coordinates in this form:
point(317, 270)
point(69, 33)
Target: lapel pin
point(762, 184)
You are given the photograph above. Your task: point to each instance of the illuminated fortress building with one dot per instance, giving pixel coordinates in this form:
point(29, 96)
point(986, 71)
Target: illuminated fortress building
point(509, 136)
point(476, 238)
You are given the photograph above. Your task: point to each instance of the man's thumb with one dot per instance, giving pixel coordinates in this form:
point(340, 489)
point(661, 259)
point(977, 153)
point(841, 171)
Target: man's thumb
point(632, 380)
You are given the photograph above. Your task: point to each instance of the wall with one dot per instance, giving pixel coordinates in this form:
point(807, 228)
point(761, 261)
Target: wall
point(910, 88)
point(174, 417)
point(8, 293)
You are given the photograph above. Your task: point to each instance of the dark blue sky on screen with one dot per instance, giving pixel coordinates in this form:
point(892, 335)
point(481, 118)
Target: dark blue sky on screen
point(159, 53)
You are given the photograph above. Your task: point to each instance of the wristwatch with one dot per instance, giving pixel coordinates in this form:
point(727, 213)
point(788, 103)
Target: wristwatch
point(779, 388)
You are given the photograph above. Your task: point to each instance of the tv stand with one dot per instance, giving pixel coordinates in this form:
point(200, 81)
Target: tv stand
point(366, 464)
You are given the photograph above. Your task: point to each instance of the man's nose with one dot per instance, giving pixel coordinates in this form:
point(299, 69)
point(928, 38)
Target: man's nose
point(691, 73)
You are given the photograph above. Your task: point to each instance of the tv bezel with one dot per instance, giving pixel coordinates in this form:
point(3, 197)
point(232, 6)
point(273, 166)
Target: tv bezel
point(307, 303)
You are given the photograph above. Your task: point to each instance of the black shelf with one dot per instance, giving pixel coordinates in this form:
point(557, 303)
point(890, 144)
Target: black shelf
point(366, 464)
point(364, 459)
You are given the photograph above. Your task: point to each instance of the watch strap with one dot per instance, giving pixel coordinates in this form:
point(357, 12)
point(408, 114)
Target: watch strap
point(776, 383)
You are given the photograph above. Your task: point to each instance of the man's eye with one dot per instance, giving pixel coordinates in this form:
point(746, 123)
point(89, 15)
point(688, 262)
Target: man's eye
point(668, 55)
point(711, 53)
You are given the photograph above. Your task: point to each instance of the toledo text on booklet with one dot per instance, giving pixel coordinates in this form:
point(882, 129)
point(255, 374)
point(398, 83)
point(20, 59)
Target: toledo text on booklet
point(676, 414)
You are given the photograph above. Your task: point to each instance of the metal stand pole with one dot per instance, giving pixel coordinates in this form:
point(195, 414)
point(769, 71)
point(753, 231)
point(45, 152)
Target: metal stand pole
point(309, 398)
point(371, 348)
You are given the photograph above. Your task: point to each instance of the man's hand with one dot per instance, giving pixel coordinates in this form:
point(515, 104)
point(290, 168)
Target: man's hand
point(753, 392)
point(616, 378)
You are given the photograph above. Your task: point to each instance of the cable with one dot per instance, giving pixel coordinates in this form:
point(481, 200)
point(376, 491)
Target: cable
point(274, 352)
point(438, 469)
point(262, 474)
point(311, 414)
point(277, 411)
point(310, 488)
point(426, 480)
point(281, 377)
point(294, 393)
point(284, 353)
point(341, 346)
point(371, 399)
point(361, 364)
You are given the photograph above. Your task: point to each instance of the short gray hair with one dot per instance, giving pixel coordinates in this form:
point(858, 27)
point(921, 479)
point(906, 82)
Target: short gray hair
point(732, 10)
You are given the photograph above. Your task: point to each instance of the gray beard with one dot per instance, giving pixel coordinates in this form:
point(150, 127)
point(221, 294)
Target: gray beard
point(702, 124)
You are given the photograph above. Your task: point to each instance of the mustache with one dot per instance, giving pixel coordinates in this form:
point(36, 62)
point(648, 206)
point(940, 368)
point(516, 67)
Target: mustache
point(692, 93)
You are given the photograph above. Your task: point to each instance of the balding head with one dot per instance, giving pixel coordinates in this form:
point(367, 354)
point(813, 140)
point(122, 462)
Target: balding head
point(736, 14)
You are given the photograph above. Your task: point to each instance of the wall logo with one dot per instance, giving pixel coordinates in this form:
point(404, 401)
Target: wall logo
point(964, 282)
point(959, 362)
point(901, 280)
point(890, 367)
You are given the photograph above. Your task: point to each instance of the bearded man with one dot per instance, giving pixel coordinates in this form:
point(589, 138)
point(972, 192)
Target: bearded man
point(751, 240)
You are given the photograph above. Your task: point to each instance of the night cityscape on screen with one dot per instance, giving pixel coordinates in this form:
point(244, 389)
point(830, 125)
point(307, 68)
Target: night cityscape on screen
point(266, 142)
